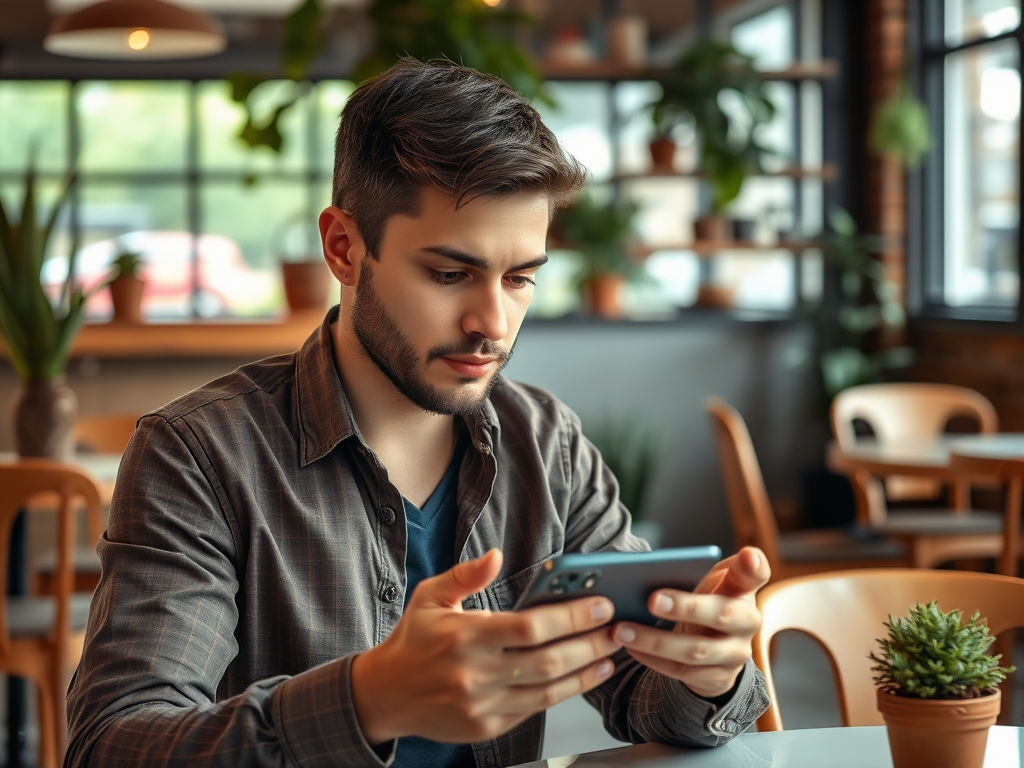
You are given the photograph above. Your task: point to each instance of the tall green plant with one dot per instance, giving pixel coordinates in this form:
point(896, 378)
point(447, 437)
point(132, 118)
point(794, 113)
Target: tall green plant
point(716, 89)
point(632, 455)
point(38, 334)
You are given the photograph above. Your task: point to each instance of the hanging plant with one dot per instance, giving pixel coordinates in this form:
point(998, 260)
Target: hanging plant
point(900, 127)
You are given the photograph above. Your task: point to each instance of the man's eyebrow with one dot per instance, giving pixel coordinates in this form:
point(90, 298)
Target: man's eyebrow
point(475, 261)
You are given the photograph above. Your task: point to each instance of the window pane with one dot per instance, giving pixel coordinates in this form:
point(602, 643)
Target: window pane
point(580, 121)
point(975, 19)
point(221, 119)
point(981, 175)
point(758, 280)
point(256, 226)
point(133, 126)
point(330, 99)
point(33, 115)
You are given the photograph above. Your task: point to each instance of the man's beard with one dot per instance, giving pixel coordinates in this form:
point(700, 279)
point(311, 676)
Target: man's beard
point(385, 344)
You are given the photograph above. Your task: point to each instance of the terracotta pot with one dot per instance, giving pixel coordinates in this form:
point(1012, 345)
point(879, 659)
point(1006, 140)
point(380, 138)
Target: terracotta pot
point(711, 229)
point(604, 295)
point(307, 285)
point(44, 414)
point(663, 155)
point(938, 733)
point(126, 296)
point(715, 297)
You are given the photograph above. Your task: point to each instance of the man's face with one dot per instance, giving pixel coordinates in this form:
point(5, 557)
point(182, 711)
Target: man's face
point(440, 310)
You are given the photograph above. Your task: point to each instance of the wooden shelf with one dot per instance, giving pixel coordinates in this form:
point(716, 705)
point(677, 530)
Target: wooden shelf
point(714, 247)
point(827, 172)
point(198, 338)
point(599, 70)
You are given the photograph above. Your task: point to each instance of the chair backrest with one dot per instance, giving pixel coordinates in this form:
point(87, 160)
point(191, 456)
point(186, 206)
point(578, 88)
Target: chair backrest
point(900, 413)
point(21, 482)
point(753, 522)
point(845, 611)
point(105, 434)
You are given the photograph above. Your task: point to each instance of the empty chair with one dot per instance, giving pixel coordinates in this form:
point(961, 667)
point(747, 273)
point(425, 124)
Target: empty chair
point(41, 637)
point(753, 522)
point(901, 414)
point(845, 611)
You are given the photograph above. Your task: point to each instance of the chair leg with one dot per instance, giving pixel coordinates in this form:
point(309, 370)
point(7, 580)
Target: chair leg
point(48, 728)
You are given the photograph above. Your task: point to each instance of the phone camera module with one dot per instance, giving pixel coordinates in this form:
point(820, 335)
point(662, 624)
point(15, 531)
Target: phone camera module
point(590, 579)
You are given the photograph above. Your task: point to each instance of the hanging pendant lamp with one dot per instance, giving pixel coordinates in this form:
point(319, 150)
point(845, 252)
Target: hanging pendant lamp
point(135, 29)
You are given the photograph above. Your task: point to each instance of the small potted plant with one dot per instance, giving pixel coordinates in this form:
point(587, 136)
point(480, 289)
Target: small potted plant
point(601, 234)
point(126, 287)
point(937, 688)
point(728, 137)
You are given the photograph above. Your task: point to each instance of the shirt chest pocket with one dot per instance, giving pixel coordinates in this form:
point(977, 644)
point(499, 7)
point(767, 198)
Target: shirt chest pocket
point(503, 594)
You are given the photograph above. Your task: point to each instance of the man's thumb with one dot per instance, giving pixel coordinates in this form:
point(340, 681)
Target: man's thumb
point(448, 589)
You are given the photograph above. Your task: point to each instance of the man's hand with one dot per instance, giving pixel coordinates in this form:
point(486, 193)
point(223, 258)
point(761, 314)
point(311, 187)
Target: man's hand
point(714, 626)
point(462, 676)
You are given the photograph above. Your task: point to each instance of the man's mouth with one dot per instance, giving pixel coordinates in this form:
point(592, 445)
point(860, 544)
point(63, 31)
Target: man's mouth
point(472, 366)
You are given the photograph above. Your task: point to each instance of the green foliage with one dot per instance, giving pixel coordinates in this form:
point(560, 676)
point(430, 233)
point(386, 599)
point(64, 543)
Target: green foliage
point(632, 455)
point(601, 233)
point(38, 335)
point(465, 31)
point(868, 301)
point(716, 89)
point(126, 264)
point(900, 128)
point(935, 655)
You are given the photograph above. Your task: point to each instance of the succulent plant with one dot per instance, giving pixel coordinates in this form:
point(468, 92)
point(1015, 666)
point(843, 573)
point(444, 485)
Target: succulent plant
point(126, 264)
point(935, 655)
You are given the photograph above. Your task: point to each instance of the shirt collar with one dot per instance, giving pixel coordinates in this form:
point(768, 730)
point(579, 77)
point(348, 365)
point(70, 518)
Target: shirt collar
point(324, 412)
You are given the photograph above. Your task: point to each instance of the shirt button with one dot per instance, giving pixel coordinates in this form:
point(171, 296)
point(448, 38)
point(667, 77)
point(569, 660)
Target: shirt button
point(390, 595)
point(387, 515)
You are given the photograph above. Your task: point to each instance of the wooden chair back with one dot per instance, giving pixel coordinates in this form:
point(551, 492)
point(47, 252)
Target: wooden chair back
point(753, 521)
point(845, 611)
point(105, 434)
point(48, 661)
point(907, 413)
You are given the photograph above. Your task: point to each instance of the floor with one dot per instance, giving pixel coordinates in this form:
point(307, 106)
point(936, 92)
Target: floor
point(803, 680)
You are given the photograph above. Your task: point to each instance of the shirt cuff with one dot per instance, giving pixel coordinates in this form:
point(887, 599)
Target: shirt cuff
point(317, 720)
point(748, 701)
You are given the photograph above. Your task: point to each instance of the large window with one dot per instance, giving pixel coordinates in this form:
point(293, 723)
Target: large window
point(971, 221)
point(161, 172)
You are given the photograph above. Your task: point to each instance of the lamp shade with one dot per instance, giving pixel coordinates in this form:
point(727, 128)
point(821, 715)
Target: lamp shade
point(135, 29)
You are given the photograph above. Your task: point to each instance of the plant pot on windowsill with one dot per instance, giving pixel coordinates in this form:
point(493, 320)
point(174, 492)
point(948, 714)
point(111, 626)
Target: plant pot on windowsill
point(663, 155)
point(715, 297)
point(937, 688)
point(126, 297)
point(307, 285)
point(711, 228)
point(603, 294)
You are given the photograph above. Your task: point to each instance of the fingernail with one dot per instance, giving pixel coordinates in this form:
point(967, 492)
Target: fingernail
point(601, 612)
point(663, 603)
point(605, 668)
point(625, 634)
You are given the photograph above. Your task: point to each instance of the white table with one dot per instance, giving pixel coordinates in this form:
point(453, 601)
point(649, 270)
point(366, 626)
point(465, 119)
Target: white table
point(811, 748)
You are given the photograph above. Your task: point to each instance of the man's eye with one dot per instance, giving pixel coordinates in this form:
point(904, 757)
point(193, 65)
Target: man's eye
point(446, 278)
point(520, 281)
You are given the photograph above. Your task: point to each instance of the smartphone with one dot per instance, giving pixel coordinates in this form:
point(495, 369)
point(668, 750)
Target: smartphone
point(625, 578)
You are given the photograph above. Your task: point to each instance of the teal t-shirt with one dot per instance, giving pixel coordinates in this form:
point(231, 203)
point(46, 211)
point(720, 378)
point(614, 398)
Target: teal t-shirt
point(430, 551)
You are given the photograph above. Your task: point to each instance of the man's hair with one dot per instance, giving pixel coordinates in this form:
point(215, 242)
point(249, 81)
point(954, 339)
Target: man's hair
point(447, 127)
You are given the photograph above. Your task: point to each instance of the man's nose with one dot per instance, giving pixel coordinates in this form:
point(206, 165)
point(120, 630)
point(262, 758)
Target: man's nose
point(486, 315)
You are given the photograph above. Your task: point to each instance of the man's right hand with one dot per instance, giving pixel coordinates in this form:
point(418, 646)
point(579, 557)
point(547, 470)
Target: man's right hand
point(459, 676)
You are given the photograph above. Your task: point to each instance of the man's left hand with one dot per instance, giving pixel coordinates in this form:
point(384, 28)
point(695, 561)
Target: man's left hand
point(714, 626)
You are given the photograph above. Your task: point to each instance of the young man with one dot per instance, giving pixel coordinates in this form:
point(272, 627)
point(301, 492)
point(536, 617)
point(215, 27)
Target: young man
point(310, 561)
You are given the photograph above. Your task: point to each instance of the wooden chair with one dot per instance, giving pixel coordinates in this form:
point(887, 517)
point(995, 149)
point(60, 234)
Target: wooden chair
point(845, 611)
point(105, 434)
point(792, 553)
point(908, 413)
point(41, 638)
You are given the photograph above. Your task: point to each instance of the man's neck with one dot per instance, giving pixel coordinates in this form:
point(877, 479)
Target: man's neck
point(415, 446)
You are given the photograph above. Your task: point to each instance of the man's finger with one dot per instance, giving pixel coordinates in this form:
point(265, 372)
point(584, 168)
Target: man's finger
point(724, 614)
point(554, 661)
point(544, 623)
point(684, 649)
point(742, 574)
point(449, 589)
point(535, 698)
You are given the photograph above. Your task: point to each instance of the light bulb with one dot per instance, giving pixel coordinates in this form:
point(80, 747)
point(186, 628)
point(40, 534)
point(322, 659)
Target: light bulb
point(492, 3)
point(138, 39)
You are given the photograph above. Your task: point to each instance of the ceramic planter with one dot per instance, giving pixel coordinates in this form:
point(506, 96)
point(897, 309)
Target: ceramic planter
point(663, 155)
point(938, 733)
point(126, 296)
point(711, 229)
point(307, 285)
point(604, 295)
point(44, 414)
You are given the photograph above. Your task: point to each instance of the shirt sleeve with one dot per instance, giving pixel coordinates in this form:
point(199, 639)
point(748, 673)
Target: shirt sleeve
point(638, 704)
point(161, 636)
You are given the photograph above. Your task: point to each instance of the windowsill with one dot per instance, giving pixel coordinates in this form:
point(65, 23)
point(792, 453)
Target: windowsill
point(1002, 319)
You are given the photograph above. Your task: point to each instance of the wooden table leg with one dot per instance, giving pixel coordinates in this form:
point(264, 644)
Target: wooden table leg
point(1011, 527)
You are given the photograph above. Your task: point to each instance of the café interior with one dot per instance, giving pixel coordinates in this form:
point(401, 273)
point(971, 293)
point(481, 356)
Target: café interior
point(786, 308)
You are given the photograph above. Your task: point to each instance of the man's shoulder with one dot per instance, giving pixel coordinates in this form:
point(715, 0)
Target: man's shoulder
point(237, 390)
point(517, 403)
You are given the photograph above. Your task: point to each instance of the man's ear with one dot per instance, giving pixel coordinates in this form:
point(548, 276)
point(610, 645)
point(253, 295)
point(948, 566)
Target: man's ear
point(343, 246)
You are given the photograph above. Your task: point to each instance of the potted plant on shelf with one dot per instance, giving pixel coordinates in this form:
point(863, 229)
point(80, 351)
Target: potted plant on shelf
point(37, 333)
point(715, 89)
point(304, 274)
point(631, 453)
point(937, 688)
point(126, 287)
point(601, 234)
